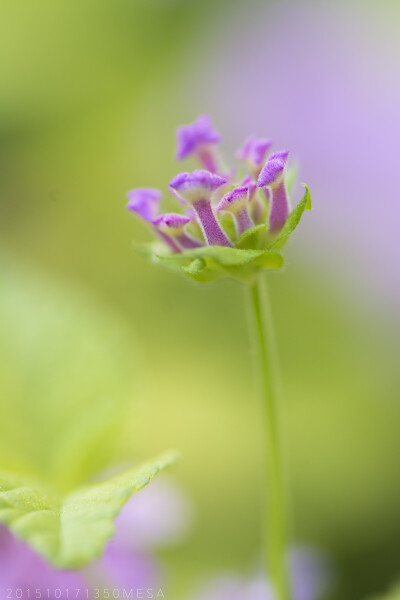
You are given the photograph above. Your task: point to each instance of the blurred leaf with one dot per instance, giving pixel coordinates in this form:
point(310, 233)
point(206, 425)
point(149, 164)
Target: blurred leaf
point(393, 595)
point(66, 375)
point(71, 530)
point(293, 220)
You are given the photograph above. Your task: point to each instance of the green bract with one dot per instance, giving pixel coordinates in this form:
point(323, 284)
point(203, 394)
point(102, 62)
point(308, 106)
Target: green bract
point(254, 251)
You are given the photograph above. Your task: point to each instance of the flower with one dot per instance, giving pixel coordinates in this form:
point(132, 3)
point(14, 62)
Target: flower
point(234, 226)
point(144, 202)
point(173, 224)
point(196, 189)
point(254, 152)
point(198, 138)
point(237, 203)
point(272, 175)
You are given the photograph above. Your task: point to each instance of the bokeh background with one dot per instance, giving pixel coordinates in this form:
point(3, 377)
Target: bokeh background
point(91, 92)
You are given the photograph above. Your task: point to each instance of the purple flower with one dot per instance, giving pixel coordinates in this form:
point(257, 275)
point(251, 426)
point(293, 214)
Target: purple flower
point(236, 202)
point(272, 175)
point(310, 578)
point(196, 189)
point(173, 224)
point(158, 516)
point(198, 139)
point(208, 196)
point(145, 202)
point(254, 152)
point(21, 567)
point(197, 185)
point(257, 205)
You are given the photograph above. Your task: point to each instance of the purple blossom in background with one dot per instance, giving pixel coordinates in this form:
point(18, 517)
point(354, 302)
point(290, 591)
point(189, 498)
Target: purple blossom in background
point(159, 515)
point(21, 568)
point(310, 579)
point(333, 97)
point(209, 194)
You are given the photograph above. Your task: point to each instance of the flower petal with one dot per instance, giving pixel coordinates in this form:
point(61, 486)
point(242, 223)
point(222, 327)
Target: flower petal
point(144, 202)
point(254, 150)
point(190, 137)
point(273, 168)
point(197, 185)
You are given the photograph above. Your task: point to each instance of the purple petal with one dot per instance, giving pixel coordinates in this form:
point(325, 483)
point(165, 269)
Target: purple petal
point(235, 199)
point(279, 207)
point(171, 220)
point(254, 150)
point(310, 574)
point(249, 182)
point(196, 189)
point(237, 203)
point(273, 168)
point(145, 202)
point(174, 224)
point(159, 516)
point(21, 567)
point(190, 137)
point(196, 185)
point(126, 569)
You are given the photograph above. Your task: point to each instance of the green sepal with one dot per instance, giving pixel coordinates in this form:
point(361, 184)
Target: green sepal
point(71, 530)
point(254, 251)
point(251, 238)
point(292, 221)
point(214, 262)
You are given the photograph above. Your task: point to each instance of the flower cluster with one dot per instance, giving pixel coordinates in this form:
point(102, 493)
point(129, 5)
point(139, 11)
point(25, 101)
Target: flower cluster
point(230, 223)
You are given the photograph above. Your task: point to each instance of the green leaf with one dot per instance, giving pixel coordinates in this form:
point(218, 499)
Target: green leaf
point(250, 238)
point(214, 262)
point(66, 390)
point(72, 529)
point(292, 221)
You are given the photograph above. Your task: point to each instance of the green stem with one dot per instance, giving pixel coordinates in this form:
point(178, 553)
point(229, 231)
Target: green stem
point(265, 356)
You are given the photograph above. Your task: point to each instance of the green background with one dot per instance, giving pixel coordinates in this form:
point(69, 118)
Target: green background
point(91, 94)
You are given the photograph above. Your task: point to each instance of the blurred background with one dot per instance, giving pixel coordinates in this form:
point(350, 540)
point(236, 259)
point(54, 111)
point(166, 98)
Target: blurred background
point(91, 92)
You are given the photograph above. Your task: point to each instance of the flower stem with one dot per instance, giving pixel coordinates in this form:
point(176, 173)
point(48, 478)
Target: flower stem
point(274, 512)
